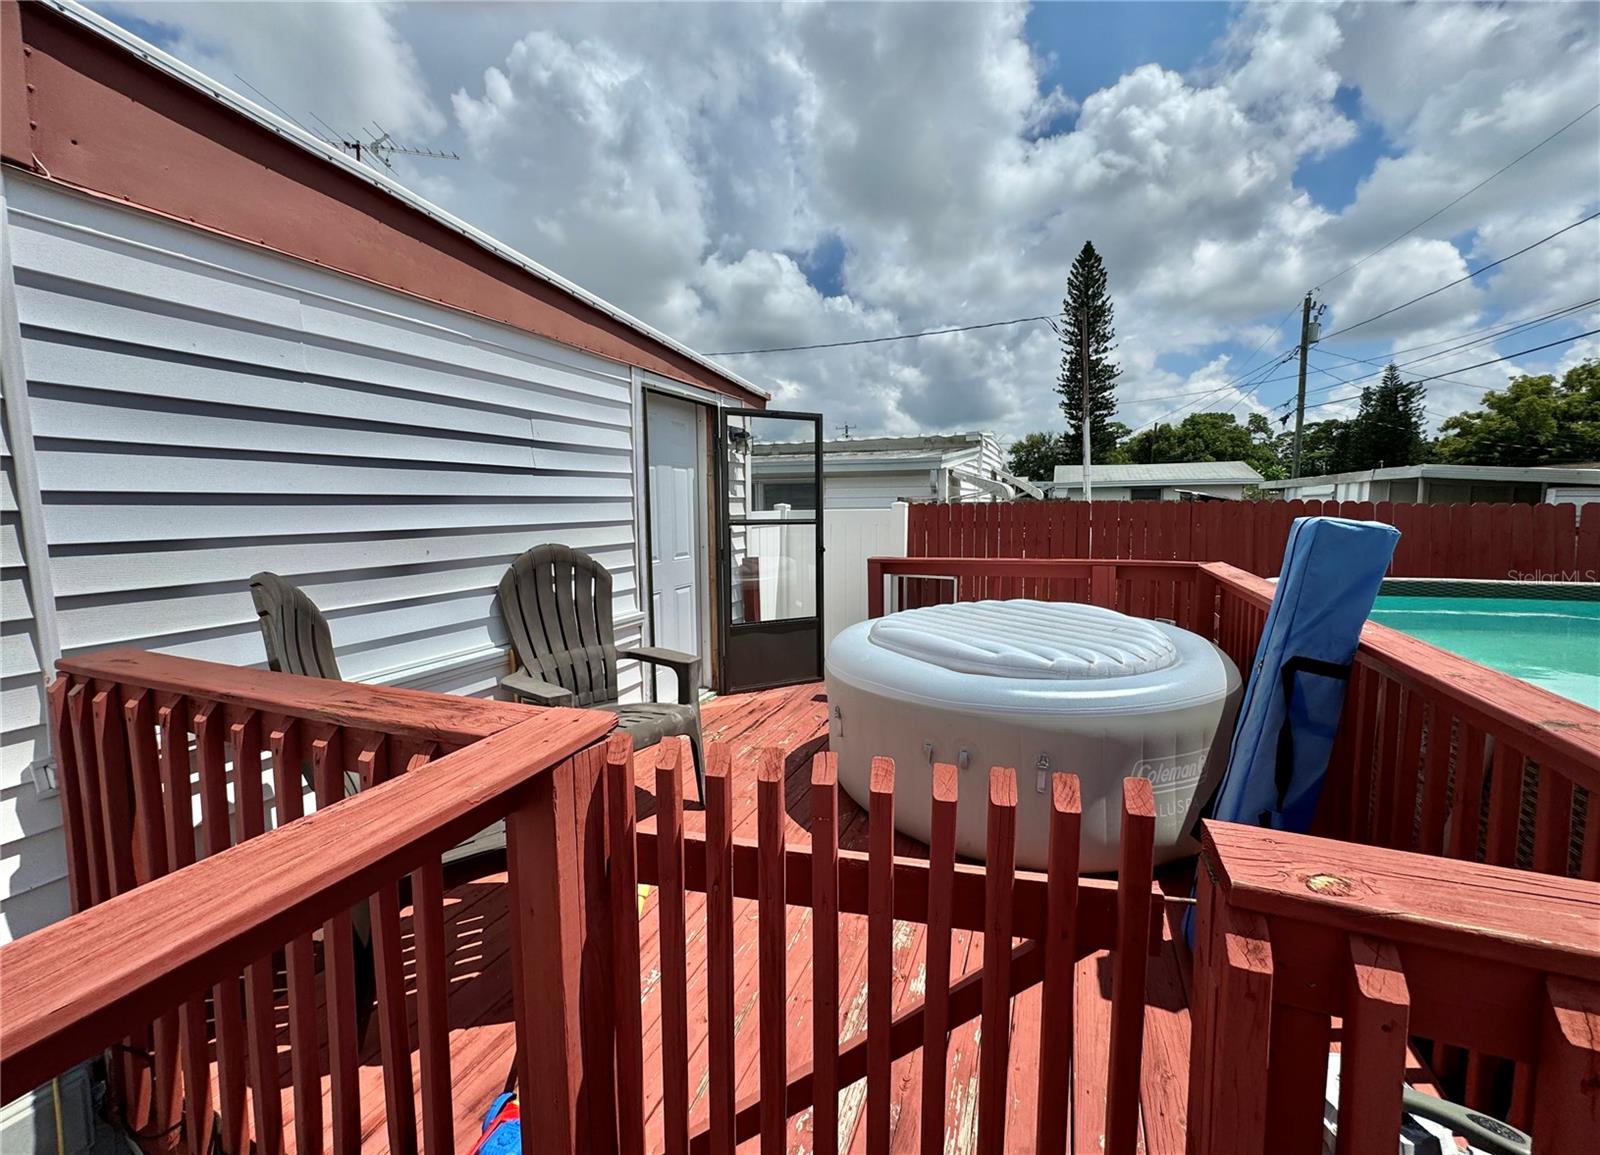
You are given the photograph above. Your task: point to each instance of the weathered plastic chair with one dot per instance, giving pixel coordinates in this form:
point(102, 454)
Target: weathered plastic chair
point(298, 641)
point(297, 636)
point(556, 602)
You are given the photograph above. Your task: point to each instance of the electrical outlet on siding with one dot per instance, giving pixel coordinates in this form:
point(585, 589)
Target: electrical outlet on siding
point(44, 777)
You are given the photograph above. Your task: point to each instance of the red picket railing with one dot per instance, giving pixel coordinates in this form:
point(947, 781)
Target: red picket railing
point(1434, 753)
point(171, 961)
point(1510, 542)
point(1064, 918)
point(1302, 940)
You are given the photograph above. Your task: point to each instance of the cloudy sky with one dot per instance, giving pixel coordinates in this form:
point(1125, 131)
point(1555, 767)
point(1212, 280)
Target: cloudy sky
point(749, 176)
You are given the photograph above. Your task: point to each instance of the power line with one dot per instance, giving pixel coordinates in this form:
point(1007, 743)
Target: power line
point(1509, 356)
point(1382, 365)
point(1468, 277)
point(1209, 390)
point(1267, 368)
point(880, 340)
point(1496, 336)
point(1486, 339)
point(1256, 352)
point(1536, 319)
point(1504, 327)
point(1521, 157)
point(1357, 380)
point(1479, 365)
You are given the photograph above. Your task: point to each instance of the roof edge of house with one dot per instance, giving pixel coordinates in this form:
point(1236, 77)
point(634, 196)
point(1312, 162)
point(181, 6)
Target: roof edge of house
point(1579, 474)
point(1070, 475)
point(265, 118)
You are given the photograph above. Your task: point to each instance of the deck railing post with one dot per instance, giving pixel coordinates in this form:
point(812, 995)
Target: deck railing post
point(1103, 586)
point(543, 865)
point(874, 587)
point(1204, 620)
point(1566, 1108)
point(1230, 1027)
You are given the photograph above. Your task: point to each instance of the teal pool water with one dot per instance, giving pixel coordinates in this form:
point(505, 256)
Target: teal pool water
point(1554, 644)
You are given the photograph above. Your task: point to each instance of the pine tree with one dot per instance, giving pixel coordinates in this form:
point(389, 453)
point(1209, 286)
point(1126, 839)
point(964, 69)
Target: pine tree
point(1087, 308)
point(1388, 429)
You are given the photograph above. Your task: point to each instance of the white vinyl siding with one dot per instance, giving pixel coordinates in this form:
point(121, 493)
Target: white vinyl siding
point(203, 409)
point(33, 863)
point(876, 490)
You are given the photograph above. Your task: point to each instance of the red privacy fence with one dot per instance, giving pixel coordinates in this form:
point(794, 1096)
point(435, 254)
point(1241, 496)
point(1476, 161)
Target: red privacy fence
point(1510, 542)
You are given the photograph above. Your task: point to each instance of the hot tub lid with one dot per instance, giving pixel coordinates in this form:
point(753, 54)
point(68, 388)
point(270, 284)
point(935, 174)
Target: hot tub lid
point(1021, 638)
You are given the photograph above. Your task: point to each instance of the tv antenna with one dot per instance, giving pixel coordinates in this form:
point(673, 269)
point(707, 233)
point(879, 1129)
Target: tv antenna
point(379, 144)
point(381, 147)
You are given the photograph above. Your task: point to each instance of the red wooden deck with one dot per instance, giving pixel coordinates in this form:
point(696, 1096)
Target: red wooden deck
point(1434, 755)
point(794, 719)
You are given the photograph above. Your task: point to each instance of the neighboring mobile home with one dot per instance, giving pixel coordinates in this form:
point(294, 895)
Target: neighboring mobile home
point(1169, 481)
point(228, 347)
point(1441, 484)
point(876, 472)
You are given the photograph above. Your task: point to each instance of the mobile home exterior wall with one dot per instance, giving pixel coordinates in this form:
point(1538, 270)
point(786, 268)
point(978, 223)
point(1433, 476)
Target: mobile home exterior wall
point(242, 350)
point(202, 410)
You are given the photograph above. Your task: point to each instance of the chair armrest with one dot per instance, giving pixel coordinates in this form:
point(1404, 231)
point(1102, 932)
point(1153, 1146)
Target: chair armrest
point(526, 687)
point(686, 666)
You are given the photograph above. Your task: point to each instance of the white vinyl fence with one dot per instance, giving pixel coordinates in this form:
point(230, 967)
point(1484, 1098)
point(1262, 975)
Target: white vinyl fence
point(783, 567)
point(850, 537)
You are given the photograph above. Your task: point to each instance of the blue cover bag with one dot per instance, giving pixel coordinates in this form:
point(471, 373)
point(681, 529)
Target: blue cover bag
point(1332, 570)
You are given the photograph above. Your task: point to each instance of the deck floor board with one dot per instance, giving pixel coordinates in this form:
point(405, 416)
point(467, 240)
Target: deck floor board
point(795, 720)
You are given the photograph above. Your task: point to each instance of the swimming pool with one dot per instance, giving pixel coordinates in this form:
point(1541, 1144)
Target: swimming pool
point(1552, 641)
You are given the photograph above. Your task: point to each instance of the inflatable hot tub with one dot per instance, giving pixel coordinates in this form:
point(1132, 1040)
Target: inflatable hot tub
point(1045, 687)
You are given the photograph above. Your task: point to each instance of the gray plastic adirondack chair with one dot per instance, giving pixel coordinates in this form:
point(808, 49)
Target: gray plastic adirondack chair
point(299, 642)
point(297, 636)
point(556, 602)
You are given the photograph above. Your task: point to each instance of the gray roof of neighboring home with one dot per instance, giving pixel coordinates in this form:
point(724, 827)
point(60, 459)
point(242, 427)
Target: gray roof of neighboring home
point(1548, 474)
point(1168, 473)
point(916, 445)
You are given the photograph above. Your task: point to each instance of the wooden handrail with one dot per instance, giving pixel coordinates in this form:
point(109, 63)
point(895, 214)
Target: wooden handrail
point(1101, 572)
point(76, 986)
point(1466, 908)
point(1546, 725)
point(451, 720)
point(1024, 566)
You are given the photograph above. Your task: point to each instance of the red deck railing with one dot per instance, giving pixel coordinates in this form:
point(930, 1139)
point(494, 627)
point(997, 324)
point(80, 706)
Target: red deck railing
point(1064, 918)
point(1301, 940)
point(156, 931)
point(1434, 753)
point(153, 964)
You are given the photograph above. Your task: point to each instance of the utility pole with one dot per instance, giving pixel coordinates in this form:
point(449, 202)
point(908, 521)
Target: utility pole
point(1300, 397)
point(1083, 357)
point(1088, 442)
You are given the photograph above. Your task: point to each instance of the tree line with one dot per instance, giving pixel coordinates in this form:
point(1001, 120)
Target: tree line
point(1534, 420)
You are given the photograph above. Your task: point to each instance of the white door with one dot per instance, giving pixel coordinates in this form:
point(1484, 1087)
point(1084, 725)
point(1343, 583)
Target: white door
point(673, 433)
